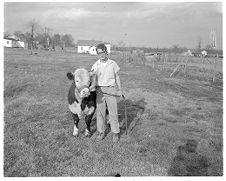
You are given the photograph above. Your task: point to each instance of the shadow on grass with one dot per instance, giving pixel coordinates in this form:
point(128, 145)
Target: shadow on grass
point(188, 162)
point(133, 110)
point(129, 113)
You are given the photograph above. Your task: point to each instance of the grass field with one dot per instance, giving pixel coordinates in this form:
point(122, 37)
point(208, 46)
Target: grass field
point(163, 113)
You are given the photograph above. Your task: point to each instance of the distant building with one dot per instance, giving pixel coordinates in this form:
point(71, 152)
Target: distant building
point(204, 53)
point(89, 46)
point(13, 42)
point(199, 53)
point(188, 53)
point(153, 54)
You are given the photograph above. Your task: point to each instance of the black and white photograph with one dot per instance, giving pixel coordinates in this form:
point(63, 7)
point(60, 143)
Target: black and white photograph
point(112, 89)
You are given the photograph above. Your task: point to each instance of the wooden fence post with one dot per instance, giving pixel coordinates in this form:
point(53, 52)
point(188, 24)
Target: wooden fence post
point(162, 61)
point(175, 70)
point(153, 62)
point(214, 68)
point(186, 64)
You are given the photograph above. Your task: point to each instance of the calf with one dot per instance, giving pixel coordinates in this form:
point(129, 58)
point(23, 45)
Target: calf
point(82, 98)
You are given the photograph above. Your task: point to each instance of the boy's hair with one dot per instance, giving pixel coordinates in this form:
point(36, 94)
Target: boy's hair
point(102, 47)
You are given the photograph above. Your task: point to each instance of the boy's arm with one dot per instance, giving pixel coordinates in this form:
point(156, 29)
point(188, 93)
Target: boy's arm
point(93, 82)
point(93, 78)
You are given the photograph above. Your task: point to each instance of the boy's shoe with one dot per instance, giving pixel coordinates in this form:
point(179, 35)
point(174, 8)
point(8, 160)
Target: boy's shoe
point(115, 137)
point(100, 136)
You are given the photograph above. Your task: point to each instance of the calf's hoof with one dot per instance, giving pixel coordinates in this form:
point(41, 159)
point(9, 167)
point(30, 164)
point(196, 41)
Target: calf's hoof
point(75, 133)
point(87, 133)
point(100, 136)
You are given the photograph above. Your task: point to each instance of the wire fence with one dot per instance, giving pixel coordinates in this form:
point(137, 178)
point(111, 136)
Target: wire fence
point(176, 63)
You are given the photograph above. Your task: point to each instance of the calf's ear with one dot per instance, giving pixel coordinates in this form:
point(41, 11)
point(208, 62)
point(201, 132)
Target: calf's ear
point(70, 76)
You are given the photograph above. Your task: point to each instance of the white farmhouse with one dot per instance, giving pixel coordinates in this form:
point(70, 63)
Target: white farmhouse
point(13, 42)
point(89, 46)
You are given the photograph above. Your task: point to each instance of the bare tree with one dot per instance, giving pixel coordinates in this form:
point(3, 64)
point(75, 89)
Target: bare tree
point(33, 25)
point(56, 39)
point(176, 48)
point(48, 35)
point(121, 43)
point(68, 40)
point(20, 35)
point(199, 43)
point(6, 34)
point(48, 31)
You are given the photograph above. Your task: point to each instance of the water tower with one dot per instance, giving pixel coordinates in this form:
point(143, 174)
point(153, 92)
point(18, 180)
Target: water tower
point(213, 39)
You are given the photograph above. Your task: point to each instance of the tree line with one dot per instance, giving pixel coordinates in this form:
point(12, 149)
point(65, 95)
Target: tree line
point(42, 37)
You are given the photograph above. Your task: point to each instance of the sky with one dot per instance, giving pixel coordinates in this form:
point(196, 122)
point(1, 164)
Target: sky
point(146, 24)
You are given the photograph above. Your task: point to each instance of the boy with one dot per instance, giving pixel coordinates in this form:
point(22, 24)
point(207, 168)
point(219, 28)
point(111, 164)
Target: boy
point(108, 87)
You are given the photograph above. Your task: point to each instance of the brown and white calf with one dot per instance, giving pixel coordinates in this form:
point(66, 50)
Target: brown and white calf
point(82, 98)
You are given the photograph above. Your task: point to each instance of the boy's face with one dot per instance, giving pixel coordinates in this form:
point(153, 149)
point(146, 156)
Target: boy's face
point(101, 54)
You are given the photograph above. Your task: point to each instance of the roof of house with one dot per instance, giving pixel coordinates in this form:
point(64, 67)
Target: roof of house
point(90, 42)
point(12, 37)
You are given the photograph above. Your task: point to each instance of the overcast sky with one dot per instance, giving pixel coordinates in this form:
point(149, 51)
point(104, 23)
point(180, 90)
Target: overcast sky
point(147, 24)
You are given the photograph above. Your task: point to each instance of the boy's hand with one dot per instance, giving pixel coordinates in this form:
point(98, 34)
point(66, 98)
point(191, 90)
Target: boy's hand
point(121, 94)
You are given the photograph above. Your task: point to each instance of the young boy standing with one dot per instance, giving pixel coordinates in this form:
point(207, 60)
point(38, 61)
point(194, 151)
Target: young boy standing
point(108, 87)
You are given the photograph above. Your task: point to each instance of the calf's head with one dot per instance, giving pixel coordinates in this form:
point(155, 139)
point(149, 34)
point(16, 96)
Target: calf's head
point(81, 78)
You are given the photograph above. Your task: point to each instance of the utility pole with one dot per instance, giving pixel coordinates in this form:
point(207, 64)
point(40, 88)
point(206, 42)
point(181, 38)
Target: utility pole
point(213, 38)
point(214, 46)
point(32, 37)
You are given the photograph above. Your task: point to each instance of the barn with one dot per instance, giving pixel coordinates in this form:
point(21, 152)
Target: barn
point(13, 42)
point(89, 46)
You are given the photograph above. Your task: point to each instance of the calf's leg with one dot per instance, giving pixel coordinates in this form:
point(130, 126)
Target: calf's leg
point(88, 119)
point(76, 121)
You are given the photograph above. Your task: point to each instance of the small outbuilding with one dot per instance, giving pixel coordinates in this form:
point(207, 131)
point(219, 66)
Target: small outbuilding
point(204, 53)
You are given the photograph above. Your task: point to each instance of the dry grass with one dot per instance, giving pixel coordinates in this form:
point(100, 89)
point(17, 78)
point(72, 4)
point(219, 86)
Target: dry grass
point(163, 113)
